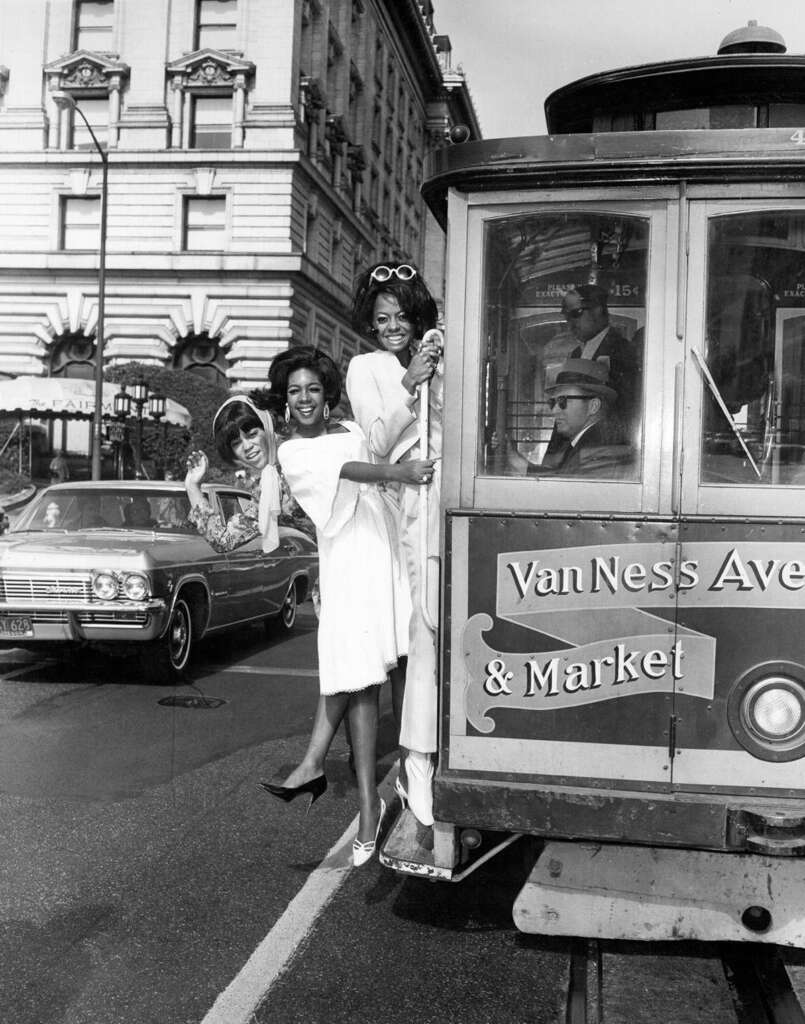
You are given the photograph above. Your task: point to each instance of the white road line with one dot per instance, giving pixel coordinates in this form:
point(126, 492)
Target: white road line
point(258, 670)
point(238, 1002)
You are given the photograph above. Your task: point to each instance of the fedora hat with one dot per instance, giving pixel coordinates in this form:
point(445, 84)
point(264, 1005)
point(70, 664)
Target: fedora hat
point(589, 376)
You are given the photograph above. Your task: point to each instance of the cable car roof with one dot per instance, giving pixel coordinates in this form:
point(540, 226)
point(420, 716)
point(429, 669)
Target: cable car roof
point(727, 79)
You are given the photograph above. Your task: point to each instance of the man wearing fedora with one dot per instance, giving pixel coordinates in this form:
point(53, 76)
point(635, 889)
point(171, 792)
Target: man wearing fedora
point(589, 437)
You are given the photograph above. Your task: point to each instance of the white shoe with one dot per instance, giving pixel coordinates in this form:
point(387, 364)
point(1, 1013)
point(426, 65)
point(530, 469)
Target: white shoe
point(362, 852)
point(419, 774)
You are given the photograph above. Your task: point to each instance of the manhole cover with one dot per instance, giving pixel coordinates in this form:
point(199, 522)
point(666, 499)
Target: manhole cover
point(191, 701)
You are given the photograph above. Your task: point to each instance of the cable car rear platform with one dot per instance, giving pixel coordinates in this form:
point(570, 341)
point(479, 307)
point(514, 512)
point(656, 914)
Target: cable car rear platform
point(658, 887)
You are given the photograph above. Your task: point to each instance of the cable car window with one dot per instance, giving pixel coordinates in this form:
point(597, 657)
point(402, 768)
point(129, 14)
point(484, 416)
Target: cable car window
point(562, 386)
point(753, 373)
point(786, 115)
point(732, 116)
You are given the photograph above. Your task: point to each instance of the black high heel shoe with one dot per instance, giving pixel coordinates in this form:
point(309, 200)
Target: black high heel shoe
point(315, 787)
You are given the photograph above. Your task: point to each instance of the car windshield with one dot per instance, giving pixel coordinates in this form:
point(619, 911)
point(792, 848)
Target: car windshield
point(116, 508)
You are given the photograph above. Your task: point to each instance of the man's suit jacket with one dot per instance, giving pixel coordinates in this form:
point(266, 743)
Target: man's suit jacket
point(595, 454)
point(625, 372)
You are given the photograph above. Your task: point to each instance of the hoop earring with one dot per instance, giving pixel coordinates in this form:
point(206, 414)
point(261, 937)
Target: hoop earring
point(287, 413)
point(326, 413)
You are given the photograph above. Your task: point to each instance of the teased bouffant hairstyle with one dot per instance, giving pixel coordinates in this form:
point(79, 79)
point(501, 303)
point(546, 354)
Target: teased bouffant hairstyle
point(233, 418)
point(413, 296)
point(302, 357)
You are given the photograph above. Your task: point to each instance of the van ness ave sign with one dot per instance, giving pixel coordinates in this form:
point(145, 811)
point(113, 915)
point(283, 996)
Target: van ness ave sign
point(597, 602)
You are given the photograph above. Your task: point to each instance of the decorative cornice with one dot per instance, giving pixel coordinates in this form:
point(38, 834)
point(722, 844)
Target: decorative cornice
point(312, 94)
point(356, 159)
point(335, 130)
point(85, 70)
point(209, 69)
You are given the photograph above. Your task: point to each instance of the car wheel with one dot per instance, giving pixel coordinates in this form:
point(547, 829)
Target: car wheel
point(286, 620)
point(168, 656)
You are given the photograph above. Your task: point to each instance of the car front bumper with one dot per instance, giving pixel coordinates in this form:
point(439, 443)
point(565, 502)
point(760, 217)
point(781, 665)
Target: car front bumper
point(98, 621)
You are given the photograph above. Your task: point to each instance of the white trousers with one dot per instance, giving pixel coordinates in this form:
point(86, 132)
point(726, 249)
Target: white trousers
point(418, 729)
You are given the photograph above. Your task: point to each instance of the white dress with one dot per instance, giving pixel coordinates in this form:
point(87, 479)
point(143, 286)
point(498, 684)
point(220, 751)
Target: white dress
point(365, 603)
point(388, 414)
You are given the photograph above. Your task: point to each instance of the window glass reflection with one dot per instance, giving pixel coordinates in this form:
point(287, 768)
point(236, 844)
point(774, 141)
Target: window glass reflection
point(753, 375)
point(565, 300)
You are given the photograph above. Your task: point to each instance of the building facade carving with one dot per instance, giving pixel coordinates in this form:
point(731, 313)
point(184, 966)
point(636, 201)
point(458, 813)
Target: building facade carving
point(249, 179)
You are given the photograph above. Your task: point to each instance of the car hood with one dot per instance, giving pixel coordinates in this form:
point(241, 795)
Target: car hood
point(86, 550)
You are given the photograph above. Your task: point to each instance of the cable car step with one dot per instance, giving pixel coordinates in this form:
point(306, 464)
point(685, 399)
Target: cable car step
point(409, 848)
point(654, 893)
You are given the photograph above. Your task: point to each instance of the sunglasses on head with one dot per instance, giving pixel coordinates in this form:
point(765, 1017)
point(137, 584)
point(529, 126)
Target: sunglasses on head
point(403, 273)
point(562, 400)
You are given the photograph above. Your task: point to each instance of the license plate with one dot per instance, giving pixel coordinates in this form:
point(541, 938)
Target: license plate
point(16, 626)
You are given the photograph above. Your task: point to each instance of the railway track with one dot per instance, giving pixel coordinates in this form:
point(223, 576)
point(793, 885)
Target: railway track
point(618, 983)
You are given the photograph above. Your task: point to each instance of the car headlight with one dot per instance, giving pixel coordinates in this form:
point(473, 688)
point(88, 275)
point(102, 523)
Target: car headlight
point(104, 586)
point(135, 587)
point(766, 711)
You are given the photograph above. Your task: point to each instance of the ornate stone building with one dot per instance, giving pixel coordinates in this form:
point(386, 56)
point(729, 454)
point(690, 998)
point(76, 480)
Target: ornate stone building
point(260, 153)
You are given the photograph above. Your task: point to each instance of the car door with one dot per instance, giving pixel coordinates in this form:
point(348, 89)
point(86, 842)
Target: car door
point(257, 580)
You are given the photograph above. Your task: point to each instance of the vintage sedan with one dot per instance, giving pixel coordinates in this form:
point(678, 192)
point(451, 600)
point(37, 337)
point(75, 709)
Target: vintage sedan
point(115, 564)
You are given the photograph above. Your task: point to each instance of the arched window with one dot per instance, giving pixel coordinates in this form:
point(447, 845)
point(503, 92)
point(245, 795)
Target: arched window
point(200, 354)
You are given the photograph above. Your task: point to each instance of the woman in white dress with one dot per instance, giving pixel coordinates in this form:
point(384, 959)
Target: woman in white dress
point(394, 307)
point(363, 629)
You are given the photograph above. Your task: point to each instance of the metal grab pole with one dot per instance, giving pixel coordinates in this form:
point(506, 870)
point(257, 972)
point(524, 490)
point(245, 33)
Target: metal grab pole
point(436, 337)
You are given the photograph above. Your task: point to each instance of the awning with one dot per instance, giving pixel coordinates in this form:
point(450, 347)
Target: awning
point(68, 398)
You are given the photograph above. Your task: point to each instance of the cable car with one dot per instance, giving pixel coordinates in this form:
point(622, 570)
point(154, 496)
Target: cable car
point(623, 622)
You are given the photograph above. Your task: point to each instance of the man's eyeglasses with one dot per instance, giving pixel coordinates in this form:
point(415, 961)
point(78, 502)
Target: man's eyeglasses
point(404, 272)
point(574, 314)
point(562, 400)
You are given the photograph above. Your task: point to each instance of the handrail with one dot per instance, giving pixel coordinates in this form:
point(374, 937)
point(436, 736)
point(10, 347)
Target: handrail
point(435, 336)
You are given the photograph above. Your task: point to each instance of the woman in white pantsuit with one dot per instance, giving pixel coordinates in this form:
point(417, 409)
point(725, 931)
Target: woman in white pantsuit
point(394, 307)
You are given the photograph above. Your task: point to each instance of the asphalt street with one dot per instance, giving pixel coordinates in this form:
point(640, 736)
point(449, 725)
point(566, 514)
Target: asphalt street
point(147, 879)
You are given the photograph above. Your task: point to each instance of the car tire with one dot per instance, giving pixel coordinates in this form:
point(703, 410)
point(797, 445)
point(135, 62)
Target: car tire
point(285, 621)
point(167, 657)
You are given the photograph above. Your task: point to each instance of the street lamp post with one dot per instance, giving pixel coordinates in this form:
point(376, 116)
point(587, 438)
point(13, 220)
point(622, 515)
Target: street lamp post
point(118, 430)
point(157, 407)
point(66, 101)
point(140, 396)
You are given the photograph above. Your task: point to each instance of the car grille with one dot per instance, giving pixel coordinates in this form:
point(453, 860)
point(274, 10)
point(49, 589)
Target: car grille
point(48, 617)
point(25, 587)
point(112, 618)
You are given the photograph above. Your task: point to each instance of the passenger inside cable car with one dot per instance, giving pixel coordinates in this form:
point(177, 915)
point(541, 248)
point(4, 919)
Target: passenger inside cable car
point(563, 286)
point(588, 436)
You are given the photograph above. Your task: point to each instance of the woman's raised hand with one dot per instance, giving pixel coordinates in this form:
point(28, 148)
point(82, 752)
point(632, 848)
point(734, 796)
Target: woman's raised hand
point(422, 365)
point(417, 471)
point(197, 467)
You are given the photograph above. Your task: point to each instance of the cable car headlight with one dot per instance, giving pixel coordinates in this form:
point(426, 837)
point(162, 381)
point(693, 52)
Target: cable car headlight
point(135, 586)
point(104, 585)
point(775, 712)
point(766, 711)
